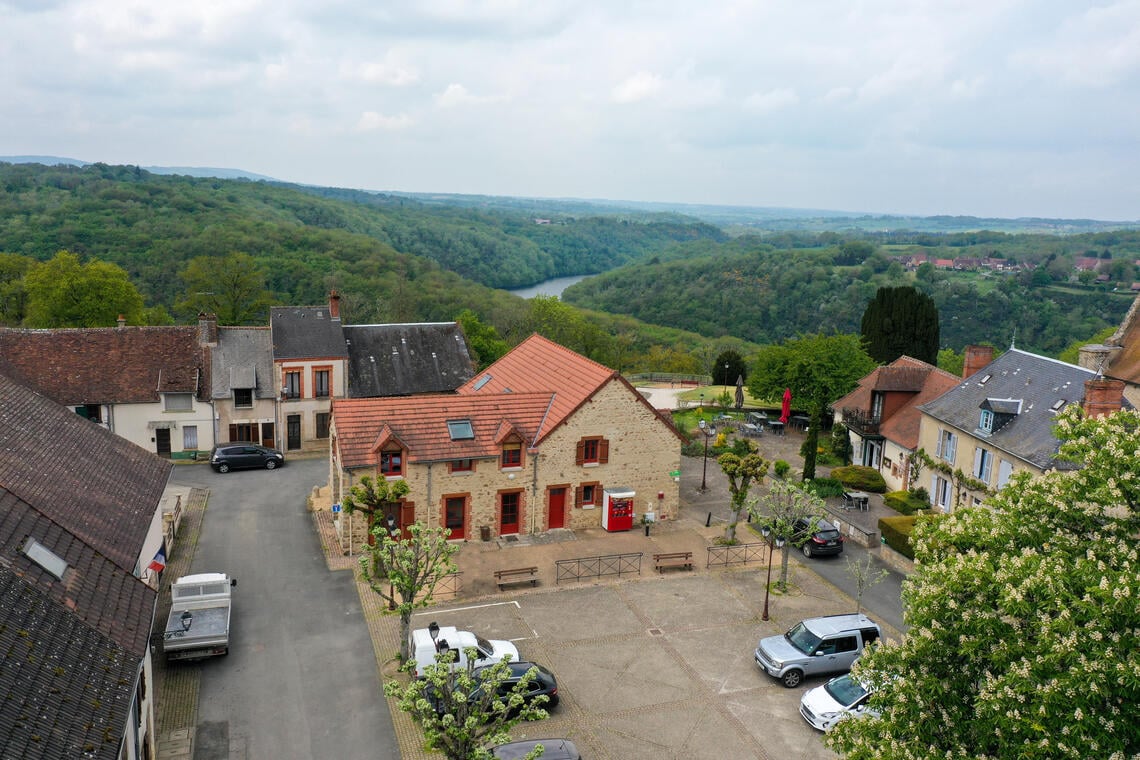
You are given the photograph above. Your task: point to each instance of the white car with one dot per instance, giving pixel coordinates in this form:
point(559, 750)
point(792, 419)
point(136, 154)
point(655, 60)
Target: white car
point(839, 698)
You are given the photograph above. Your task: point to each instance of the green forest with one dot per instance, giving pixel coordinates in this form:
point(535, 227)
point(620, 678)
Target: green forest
point(671, 293)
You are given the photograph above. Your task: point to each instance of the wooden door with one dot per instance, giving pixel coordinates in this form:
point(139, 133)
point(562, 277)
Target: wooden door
point(556, 512)
point(267, 435)
point(293, 431)
point(455, 516)
point(162, 442)
point(509, 504)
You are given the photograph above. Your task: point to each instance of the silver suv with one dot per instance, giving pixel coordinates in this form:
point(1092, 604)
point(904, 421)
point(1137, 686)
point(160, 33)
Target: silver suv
point(817, 645)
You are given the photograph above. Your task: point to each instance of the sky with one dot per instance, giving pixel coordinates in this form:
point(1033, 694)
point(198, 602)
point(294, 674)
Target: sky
point(998, 108)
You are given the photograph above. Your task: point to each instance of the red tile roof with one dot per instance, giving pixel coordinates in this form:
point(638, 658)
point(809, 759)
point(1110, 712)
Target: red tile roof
point(905, 374)
point(419, 424)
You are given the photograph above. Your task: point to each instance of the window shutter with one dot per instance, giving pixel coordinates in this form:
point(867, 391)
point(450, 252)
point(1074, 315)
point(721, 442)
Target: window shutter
point(953, 446)
point(603, 451)
point(233, 432)
point(578, 496)
point(580, 456)
point(978, 462)
point(938, 446)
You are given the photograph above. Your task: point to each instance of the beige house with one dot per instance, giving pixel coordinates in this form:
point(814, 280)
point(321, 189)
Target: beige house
point(529, 445)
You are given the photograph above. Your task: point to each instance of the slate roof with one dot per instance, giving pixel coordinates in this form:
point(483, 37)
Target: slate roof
point(71, 365)
point(402, 359)
point(1044, 386)
point(306, 332)
point(419, 424)
point(242, 359)
point(1124, 363)
point(904, 375)
point(102, 488)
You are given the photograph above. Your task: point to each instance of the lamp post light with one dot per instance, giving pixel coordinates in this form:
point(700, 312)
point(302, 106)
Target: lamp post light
point(726, 377)
point(393, 531)
point(766, 531)
point(709, 433)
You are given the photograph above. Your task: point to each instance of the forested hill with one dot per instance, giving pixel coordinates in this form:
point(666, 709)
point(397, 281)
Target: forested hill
point(751, 290)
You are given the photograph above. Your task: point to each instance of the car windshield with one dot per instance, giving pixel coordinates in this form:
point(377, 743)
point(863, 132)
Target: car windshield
point(802, 639)
point(485, 648)
point(845, 690)
point(828, 535)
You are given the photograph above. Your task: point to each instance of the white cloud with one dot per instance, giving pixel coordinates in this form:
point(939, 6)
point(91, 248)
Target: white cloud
point(772, 100)
point(371, 120)
point(640, 86)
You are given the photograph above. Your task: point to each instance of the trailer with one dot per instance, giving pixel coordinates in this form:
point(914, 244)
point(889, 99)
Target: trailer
point(199, 622)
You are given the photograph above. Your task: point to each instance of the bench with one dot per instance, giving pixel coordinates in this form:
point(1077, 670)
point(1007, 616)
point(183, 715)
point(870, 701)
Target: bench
point(516, 575)
point(673, 559)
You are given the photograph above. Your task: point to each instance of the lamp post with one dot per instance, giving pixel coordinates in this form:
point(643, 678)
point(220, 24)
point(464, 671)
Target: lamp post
point(708, 432)
point(393, 531)
point(725, 378)
point(766, 531)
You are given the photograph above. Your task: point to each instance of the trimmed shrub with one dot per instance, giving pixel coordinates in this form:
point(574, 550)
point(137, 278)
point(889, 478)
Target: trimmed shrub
point(896, 533)
point(905, 502)
point(781, 469)
point(825, 487)
point(860, 478)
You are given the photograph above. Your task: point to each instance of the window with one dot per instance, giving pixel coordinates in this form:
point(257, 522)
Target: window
point(391, 463)
point(292, 386)
point(983, 463)
point(588, 495)
point(460, 430)
point(178, 402)
point(947, 446)
point(322, 420)
point(593, 451)
point(940, 493)
point(243, 398)
point(512, 455)
point(242, 433)
point(321, 382)
point(45, 557)
point(986, 421)
point(189, 437)
point(93, 412)
point(461, 465)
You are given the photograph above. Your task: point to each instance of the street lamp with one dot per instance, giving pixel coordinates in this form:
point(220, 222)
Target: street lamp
point(393, 531)
point(725, 377)
point(766, 531)
point(709, 433)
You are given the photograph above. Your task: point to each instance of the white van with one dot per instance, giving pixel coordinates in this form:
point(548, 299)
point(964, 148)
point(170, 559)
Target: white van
point(422, 649)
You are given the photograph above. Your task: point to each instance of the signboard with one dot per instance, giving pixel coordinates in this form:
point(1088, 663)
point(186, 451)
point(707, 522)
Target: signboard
point(675, 474)
point(335, 508)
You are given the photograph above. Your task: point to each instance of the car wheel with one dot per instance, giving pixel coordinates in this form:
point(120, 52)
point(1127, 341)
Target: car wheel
point(223, 467)
point(807, 550)
point(793, 678)
point(271, 464)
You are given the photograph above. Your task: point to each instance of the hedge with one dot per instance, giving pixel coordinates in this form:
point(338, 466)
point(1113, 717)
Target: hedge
point(905, 503)
point(896, 533)
point(860, 478)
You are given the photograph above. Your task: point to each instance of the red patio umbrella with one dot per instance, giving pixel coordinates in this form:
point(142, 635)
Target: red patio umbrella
point(786, 409)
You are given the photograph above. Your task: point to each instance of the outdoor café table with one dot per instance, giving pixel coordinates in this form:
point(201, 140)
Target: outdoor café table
point(777, 427)
point(856, 499)
point(801, 421)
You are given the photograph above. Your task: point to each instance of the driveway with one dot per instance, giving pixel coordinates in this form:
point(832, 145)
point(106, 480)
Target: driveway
point(300, 680)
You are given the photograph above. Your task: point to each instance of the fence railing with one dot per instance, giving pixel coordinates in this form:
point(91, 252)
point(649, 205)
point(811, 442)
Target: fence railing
point(594, 567)
point(739, 554)
point(449, 586)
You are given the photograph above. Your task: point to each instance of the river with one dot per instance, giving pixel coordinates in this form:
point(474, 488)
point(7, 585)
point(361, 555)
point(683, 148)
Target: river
point(549, 287)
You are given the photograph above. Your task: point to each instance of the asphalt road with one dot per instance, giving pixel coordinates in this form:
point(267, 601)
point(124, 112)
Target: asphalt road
point(300, 680)
point(883, 599)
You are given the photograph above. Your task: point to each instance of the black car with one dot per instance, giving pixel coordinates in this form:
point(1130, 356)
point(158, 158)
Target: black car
point(822, 538)
point(245, 456)
point(544, 683)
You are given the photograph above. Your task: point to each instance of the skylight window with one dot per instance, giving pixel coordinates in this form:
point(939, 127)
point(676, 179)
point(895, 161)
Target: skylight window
point(481, 382)
point(460, 429)
point(45, 557)
point(984, 380)
point(1058, 404)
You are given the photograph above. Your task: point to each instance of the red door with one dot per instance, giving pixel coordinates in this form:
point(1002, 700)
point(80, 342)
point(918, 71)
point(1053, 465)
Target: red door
point(556, 518)
point(455, 509)
point(509, 513)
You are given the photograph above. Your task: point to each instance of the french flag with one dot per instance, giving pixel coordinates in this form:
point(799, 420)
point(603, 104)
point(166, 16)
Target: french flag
point(158, 564)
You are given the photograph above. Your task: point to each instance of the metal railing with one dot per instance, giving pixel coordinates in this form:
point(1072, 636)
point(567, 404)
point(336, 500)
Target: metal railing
point(739, 554)
point(594, 567)
point(449, 586)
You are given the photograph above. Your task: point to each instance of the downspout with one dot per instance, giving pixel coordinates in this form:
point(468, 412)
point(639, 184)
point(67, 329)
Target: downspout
point(429, 484)
point(533, 485)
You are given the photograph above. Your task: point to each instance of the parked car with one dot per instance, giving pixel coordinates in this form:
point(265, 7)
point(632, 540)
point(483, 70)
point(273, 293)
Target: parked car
point(839, 698)
point(245, 456)
point(815, 646)
point(543, 684)
point(822, 538)
point(552, 749)
point(425, 644)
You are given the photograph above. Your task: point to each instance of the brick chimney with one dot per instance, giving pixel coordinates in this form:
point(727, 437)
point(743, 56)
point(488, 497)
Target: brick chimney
point(334, 305)
point(122, 321)
point(1103, 396)
point(207, 329)
point(976, 358)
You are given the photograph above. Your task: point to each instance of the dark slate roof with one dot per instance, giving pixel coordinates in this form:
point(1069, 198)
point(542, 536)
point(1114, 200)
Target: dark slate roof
point(306, 332)
point(72, 366)
point(65, 689)
point(1043, 386)
point(242, 359)
point(403, 359)
point(102, 488)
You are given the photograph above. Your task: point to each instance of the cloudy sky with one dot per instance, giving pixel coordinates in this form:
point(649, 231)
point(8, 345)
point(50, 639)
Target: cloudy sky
point(986, 107)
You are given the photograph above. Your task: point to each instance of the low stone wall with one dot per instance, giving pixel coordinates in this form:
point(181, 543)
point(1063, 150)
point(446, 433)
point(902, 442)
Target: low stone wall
point(894, 560)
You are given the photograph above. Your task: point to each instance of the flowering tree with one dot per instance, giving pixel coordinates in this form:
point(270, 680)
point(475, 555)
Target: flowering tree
point(1023, 619)
point(741, 472)
point(779, 509)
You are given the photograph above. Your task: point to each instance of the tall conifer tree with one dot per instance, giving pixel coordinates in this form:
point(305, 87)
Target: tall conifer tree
point(901, 320)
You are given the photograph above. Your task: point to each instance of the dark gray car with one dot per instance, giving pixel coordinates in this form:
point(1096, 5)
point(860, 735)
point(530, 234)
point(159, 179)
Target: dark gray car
point(245, 456)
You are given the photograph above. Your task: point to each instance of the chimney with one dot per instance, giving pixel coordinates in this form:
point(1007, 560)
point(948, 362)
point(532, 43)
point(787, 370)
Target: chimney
point(207, 329)
point(334, 305)
point(1103, 396)
point(976, 358)
point(122, 321)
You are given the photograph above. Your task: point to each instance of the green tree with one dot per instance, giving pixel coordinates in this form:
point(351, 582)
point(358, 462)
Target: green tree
point(951, 361)
point(818, 369)
point(465, 712)
point(63, 292)
point(13, 297)
point(1072, 353)
point(778, 510)
point(231, 286)
point(901, 321)
point(482, 338)
point(742, 471)
point(404, 572)
point(729, 365)
point(1023, 625)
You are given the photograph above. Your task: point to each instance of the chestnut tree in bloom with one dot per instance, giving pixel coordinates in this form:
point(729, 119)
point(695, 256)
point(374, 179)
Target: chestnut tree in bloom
point(1023, 618)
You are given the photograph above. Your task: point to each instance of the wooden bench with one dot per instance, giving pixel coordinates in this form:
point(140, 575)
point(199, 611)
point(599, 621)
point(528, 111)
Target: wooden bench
point(673, 559)
point(516, 575)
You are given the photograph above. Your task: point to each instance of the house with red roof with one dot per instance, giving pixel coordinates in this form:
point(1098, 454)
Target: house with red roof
point(882, 416)
point(530, 444)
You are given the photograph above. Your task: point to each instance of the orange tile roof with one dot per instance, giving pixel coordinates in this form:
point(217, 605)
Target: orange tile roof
point(903, 374)
point(419, 423)
point(539, 364)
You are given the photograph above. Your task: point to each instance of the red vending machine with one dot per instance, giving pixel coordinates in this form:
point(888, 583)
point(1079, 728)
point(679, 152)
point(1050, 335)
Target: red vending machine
point(617, 509)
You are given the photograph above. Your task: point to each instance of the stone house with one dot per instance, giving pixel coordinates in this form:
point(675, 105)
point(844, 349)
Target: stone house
point(1118, 357)
point(999, 421)
point(80, 521)
point(531, 444)
point(882, 417)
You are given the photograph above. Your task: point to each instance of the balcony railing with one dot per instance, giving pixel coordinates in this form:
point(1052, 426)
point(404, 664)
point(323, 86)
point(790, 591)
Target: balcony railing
point(861, 422)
